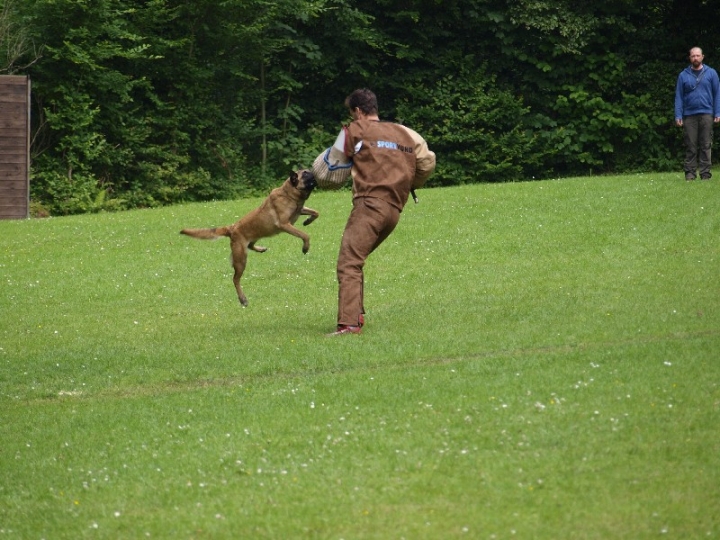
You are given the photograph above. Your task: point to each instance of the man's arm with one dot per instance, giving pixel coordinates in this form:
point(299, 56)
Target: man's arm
point(716, 96)
point(424, 159)
point(679, 101)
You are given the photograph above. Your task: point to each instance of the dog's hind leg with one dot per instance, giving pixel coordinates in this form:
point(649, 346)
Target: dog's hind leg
point(259, 249)
point(239, 260)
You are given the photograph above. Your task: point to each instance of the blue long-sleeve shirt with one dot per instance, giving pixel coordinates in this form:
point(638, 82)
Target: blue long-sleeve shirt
point(697, 94)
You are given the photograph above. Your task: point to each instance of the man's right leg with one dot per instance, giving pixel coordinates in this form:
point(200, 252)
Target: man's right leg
point(691, 125)
point(370, 222)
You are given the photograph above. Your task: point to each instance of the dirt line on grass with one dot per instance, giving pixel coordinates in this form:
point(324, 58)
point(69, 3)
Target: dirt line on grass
point(168, 387)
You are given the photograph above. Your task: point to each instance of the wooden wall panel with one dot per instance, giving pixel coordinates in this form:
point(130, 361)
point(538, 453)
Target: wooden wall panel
point(14, 147)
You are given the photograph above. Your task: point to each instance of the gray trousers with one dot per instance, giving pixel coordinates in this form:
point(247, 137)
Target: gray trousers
point(698, 138)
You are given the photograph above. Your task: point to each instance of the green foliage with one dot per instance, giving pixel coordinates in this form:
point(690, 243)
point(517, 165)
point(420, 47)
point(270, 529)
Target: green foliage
point(92, 128)
point(168, 103)
point(299, 151)
point(15, 46)
point(151, 103)
point(599, 126)
point(479, 132)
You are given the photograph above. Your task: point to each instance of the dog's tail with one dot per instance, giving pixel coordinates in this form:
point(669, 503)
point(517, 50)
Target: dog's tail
point(207, 234)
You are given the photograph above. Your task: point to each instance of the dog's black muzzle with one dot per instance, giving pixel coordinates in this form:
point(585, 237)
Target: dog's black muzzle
point(309, 180)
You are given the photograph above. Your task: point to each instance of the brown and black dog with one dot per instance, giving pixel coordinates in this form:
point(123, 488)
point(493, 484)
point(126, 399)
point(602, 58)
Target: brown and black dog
point(278, 213)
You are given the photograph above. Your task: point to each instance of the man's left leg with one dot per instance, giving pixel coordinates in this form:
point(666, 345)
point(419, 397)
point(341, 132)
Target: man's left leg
point(705, 139)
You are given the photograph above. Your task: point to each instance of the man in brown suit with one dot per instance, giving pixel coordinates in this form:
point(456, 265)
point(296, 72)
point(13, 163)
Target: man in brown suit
point(388, 161)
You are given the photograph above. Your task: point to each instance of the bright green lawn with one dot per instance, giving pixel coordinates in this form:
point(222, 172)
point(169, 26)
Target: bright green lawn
point(541, 360)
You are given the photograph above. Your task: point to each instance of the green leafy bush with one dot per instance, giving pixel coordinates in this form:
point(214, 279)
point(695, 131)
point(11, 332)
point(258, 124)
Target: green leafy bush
point(479, 132)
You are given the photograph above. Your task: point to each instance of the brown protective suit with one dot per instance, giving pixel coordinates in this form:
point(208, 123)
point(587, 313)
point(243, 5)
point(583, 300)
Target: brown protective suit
point(388, 161)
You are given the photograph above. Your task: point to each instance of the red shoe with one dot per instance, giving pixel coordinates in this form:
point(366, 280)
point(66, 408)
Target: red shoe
point(343, 329)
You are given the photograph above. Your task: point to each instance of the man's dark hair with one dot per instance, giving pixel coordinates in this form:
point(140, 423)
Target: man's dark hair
point(363, 99)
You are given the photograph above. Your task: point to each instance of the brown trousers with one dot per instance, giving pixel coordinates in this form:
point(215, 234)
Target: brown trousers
point(371, 221)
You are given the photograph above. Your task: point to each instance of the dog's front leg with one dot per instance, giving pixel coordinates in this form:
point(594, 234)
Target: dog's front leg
point(309, 212)
point(288, 228)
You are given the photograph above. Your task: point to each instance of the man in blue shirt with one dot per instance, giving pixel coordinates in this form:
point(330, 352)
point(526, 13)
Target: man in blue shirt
point(697, 107)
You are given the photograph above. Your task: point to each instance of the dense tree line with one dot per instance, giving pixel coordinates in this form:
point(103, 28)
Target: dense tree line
point(144, 103)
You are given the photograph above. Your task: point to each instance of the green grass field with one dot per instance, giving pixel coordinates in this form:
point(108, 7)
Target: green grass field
point(540, 360)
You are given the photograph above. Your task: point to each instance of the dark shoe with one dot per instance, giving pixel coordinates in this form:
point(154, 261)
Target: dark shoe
point(689, 177)
point(705, 177)
point(343, 329)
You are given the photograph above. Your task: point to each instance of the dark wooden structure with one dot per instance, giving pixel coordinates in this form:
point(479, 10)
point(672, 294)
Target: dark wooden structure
point(14, 147)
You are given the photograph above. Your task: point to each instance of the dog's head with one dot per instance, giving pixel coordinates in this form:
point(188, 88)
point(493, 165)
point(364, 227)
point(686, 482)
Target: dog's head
point(303, 180)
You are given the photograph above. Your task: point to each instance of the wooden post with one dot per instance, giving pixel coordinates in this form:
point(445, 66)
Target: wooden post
point(14, 147)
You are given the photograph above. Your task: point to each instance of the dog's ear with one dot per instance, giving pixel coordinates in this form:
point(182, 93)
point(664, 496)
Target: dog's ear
point(294, 178)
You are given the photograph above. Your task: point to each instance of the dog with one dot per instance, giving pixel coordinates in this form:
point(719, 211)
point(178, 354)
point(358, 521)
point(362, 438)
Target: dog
point(278, 213)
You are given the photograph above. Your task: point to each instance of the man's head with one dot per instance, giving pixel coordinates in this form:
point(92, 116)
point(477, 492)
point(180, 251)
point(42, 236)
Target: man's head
point(363, 99)
point(696, 57)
